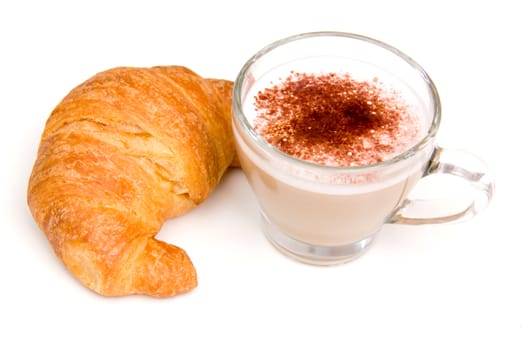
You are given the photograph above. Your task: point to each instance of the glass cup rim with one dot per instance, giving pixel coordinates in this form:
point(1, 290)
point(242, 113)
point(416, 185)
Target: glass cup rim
point(268, 148)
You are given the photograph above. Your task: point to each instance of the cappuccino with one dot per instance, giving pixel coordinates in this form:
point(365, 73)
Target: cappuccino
point(320, 130)
point(328, 121)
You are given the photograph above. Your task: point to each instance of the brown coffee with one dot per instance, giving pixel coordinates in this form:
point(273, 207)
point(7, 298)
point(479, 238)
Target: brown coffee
point(325, 219)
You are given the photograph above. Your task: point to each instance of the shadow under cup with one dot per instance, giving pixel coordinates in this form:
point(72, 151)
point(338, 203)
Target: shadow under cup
point(327, 214)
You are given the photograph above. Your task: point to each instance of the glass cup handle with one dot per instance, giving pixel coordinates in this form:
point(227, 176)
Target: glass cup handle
point(462, 165)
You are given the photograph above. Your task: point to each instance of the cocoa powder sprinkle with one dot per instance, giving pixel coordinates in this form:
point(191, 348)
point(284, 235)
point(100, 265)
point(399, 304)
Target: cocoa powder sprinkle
point(332, 119)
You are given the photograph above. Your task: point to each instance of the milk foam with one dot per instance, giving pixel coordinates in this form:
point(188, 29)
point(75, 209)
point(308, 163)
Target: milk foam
point(317, 178)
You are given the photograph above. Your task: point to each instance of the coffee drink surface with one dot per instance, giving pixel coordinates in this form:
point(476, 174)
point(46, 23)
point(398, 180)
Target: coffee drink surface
point(332, 119)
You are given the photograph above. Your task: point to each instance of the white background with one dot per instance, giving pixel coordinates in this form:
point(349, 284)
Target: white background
point(435, 287)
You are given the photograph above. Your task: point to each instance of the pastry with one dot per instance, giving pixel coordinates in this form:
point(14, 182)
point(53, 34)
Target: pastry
point(122, 153)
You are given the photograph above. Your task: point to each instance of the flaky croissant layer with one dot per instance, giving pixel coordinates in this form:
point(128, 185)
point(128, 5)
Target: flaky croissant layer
point(120, 154)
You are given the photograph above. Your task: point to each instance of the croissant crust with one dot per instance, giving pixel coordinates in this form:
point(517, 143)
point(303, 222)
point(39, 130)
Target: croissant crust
point(120, 154)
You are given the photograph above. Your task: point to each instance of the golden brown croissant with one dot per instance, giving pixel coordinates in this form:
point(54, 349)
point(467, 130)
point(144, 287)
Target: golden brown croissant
point(121, 153)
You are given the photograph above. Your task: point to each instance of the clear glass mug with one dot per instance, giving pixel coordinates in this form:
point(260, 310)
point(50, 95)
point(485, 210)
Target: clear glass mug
point(328, 215)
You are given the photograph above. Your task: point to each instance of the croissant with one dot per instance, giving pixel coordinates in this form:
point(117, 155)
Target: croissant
point(123, 152)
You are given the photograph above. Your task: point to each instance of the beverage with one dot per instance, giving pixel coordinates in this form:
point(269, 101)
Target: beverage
point(325, 118)
point(333, 130)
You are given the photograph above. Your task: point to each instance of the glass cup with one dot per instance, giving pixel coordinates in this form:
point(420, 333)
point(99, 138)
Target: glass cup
point(328, 215)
